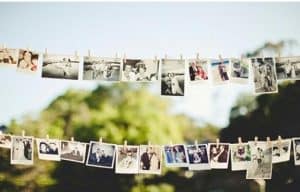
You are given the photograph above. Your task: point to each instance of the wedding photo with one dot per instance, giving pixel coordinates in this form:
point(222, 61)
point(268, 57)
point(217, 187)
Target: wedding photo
point(288, 68)
point(281, 151)
point(5, 141)
point(101, 155)
point(198, 70)
point(48, 149)
point(219, 155)
point(9, 57)
point(220, 71)
point(240, 156)
point(127, 159)
point(239, 70)
point(198, 157)
point(73, 151)
point(21, 150)
point(150, 159)
point(28, 61)
point(175, 156)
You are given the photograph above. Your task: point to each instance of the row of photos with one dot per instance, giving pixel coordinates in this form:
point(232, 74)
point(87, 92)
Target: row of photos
point(266, 72)
point(256, 157)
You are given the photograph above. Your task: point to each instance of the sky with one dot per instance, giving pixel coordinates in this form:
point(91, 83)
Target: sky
point(139, 30)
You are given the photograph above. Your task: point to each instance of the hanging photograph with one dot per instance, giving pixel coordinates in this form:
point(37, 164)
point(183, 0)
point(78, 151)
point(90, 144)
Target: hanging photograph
point(28, 61)
point(73, 151)
point(296, 142)
point(288, 68)
point(175, 156)
point(101, 68)
point(5, 141)
point(240, 156)
point(218, 155)
point(239, 70)
point(281, 151)
point(172, 77)
point(60, 66)
point(127, 159)
point(101, 155)
point(220, 71)
point(48, 149)
point(264, 75)
point(260, 166)
point(142, 70)
point(21, 150)
point(198, 157)
point(150, 159)
point(9, 57)
point(198, 70)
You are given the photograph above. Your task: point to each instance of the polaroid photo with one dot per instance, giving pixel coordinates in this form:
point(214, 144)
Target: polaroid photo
point(296, 142)
point(198, 70)
point(240, 156)
point(61, 66)
point(219, 155)
point(281, 151)
point(264, 75)
point(101, 68)
point(175, 156)
point(288, 68)
point(127, 159)
point(101, 155)
point(260, 166)
point(5, 141)
point(28, 61)
point(198, 157)
point(173, 77)
point(21, 150)
point(48, 149)
point(239, 70)
point(220, 71)
point(73, 151)
point(150, 161)
point(9, 57)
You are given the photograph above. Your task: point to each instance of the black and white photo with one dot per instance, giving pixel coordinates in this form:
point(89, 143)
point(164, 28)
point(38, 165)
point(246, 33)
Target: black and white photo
point(150, 161)
point(240, 156)
point(173, 77)
point(198, 70)
point(73, 151)
point(220, 71)
point(48, 149)
point(21, 150)
point(175, 156)
point(264, 75)
point(9, 57)
point(288, 68)
point(5, 141)
point(142, 70)
point(198, 157)
point(28, 61)
point(218, 155)
point(101, 68)
point(296, 142)
point(260, 166)
point(127, 159)
point(101, 155)
point(281, 151)
point(61, 66)
point(239, 70)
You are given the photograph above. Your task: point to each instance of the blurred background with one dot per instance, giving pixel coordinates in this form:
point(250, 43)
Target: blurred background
point(136, 112)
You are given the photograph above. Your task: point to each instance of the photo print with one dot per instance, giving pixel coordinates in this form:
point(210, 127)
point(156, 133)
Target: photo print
point(239, 70)
point(21, 150)
point(5, 141)
point(198, 157)
point(172, 77)
point(175, 156)
point(260, 166)
point(101, 68)
point(296, 142)
point(220, 71)
point(281, 151)
point(142, 70)
point(48, 149)
point(127, 159)
point(150, 159)
point(28, 61)
point(198, 70)
point(240, 156)
point(60, 66)
point(288, 68)
point(218, 155)
point(264, 75)
point(9, 57)
point(101, 155)
point(73, 151)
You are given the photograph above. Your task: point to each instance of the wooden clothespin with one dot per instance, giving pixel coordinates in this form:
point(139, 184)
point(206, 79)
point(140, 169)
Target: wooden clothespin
point(124, 58)
point(279, 140)
point(255, 140)
point(23, 133)
point(240, 140)
point(72, 139)
point(269, 141)
point(89, 53)
point(181, 57)
point(197, 56)
point(155, 59)
point(47, 137)
point(125, 144)
point(196, 144)
point(100, 140)
point(217, 142)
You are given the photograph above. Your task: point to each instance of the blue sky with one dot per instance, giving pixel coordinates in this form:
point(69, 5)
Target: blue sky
point(139, 30)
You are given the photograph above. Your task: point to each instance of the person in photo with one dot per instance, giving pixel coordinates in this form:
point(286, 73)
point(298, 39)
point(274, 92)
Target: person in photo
point(219, 154)
point(6, 57)
point(27, 61)
point(73, 151)
point(128, 73)
point(223, 71)
point(193, 70)
point(22, 150)
point(101, 155)
point(5, 141)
